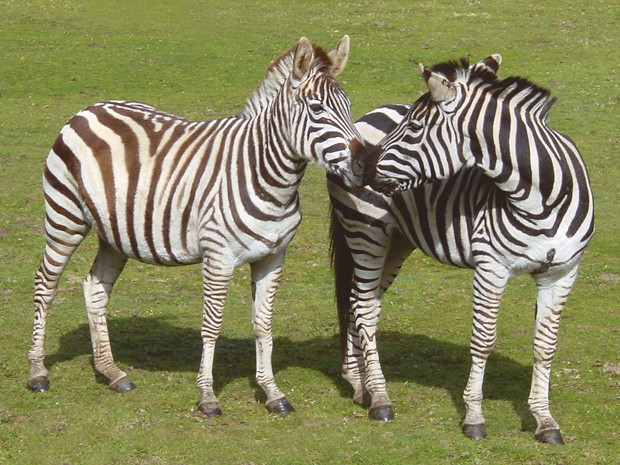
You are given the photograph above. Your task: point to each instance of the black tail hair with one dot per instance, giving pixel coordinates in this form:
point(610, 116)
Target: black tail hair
point(342, 264)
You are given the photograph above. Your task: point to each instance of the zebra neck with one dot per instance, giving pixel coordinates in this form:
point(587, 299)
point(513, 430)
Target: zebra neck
point(538, 181)
point(278, 168)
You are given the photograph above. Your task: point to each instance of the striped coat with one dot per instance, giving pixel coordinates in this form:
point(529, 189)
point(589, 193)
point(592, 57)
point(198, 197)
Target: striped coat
point(169, 191)
point(474, 177)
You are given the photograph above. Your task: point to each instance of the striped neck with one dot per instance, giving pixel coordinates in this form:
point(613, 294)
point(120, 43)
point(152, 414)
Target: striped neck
point(279, 169)
point(539, 171)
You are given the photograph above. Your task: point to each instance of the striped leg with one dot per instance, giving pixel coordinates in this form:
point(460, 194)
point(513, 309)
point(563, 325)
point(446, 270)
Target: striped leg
point(361, 366)
point(265, 278)
point(550, 302)
point(489, 286)
point(98, 286)
point(61, 242)
point(353, 365)
point(369, 384)
point(217, 273)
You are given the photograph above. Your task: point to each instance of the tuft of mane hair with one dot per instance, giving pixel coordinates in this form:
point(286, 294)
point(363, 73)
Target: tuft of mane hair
point(278, 72)
point(455, 70)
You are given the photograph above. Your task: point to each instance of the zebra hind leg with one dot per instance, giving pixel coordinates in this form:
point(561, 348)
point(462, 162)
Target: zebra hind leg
point(549, 304)
point(265, 278)
point(353, 367)
point(60, 245)
point(98, 285)
point(374, 385)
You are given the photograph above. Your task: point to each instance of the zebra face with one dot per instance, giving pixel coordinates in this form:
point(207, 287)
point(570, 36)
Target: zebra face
point(434, 140)
point(324, 132)
point(320, 122)
point(422, 147)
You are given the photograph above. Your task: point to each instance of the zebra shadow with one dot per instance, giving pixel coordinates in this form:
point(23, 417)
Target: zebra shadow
point(156, 344)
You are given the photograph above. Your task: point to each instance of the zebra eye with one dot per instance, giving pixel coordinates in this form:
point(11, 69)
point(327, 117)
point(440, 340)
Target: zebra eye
point(316, 107)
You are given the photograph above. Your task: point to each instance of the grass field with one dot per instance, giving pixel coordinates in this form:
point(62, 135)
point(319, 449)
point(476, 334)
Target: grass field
point(202, 60)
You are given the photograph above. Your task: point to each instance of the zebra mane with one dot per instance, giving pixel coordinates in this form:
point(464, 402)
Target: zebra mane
point(522, 88)
point(278, 72)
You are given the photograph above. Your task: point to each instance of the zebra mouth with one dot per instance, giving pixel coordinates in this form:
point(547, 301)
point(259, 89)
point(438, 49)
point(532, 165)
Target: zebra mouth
point(387, 186)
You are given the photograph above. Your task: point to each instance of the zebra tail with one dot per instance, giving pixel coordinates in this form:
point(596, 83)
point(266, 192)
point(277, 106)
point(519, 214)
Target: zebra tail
point(342, 264)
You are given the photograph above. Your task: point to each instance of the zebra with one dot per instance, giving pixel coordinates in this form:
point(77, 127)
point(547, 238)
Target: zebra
point(510, 196)
point(165, 190)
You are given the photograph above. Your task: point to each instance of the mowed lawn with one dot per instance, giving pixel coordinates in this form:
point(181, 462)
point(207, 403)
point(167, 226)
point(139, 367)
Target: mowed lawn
point(202, 60)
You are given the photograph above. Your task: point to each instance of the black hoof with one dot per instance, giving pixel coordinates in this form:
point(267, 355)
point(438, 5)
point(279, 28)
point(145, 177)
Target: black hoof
point(211, 409)
point(280, 406)
point(550, 436)
point(39, 384)
point(475, 432)
point(122, 385)
point(381, 413)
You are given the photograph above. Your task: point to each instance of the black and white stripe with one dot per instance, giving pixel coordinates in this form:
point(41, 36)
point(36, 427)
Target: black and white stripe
point(510, 196)
point(169, 191)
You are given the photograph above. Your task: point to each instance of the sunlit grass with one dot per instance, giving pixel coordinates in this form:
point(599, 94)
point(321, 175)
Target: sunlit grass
point(202, 60)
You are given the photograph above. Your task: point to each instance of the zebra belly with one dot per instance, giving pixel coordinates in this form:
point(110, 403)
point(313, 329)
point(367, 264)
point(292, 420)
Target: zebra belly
point(259, 239)
point(168, 249)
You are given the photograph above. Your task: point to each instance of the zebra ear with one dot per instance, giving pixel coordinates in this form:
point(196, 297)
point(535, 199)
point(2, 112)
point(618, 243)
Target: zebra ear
point(339, 56)
point(441, 89)
point(304, 53)
point(490, 63)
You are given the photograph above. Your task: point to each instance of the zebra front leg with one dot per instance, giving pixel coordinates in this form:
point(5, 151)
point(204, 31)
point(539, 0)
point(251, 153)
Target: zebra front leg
point(489, 285)
point(353, 365)
point(552, 295)
point(98, 286)
point(374, 382)
point(354, 369)
point(217, 273)
point(265, 278)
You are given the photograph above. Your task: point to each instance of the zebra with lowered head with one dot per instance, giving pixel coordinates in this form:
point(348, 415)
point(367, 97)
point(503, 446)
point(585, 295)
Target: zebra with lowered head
point(165, 190)
point(510, 196)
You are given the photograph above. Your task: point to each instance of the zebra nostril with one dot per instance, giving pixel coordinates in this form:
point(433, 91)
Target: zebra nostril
point(357, 167)
point(358, 156)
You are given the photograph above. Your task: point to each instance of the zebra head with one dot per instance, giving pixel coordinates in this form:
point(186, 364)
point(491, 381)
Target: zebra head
point(320, 123)
point(432, 141)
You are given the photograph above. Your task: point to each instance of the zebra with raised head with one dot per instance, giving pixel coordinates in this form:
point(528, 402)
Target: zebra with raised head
point(169, 191)
point(510, 196)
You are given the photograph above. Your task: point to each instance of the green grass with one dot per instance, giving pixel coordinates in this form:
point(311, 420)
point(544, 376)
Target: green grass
point(202, 60)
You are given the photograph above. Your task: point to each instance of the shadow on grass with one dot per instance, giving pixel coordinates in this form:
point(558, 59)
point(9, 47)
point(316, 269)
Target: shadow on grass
point(151, 343)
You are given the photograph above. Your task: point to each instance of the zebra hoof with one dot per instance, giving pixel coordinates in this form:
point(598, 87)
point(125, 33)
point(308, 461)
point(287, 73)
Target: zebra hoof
point(279, 406)
point(475, 432)
point(122, 385)
point(550, 436)
point(381, 413)
point(210, 409)
point(39, 384)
